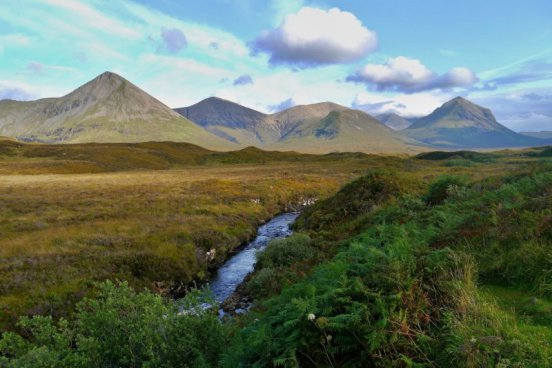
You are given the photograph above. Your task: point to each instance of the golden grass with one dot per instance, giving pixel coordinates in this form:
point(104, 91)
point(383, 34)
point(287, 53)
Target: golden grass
point(148, 213)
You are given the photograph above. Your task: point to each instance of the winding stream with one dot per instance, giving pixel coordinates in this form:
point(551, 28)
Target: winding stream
point(232, 273)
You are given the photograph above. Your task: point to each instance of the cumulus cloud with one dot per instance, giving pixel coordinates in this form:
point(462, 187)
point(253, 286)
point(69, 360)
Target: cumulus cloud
point(313, 37)
point(408, 75)
point(173, 39)
point(243, 80)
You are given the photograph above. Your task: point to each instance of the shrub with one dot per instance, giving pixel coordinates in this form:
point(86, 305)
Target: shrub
point(120, 328)
point(284, 252)
point(263, 283)
point(441, 189)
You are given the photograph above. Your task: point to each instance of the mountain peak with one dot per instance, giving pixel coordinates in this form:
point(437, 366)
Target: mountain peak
point(216, 111)
point(107, 75)
point(462, 123)
point(393, 121)
point(458, 100)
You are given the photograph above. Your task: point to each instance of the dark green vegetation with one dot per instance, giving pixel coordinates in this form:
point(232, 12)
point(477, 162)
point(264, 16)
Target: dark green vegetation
point(415, 263)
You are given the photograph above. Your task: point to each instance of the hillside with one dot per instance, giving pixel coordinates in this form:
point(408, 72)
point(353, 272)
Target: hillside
point(461, 123)
point(226, 119)
point(107, 109)
point(346, 130)
point(317, 128)
point(394, 121)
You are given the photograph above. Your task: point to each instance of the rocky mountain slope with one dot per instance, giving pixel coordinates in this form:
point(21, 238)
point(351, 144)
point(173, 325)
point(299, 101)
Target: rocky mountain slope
point(317, 128)
point(107, 109)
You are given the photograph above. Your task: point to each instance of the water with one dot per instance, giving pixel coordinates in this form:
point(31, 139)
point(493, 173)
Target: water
point(232, 273)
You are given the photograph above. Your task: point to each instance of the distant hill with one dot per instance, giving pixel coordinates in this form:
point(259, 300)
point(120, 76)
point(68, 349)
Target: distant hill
point(542, 134)
point(317, 128)
point(345, 130)
point(107, 109)
point(226, 119)
point(394, 121)
point(461, 123)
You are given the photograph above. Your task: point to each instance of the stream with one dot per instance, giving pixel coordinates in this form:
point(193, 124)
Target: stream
point(232, 273)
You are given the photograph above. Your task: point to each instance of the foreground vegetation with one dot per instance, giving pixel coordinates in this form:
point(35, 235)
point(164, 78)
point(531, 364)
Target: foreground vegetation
point(439, 260)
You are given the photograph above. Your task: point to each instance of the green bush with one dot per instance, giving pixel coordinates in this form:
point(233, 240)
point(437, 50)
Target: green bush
point(284, 252)
point(120, 328)
point(263, 283)
point(441, 189)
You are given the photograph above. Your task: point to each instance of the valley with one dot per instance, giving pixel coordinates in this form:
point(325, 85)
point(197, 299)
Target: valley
point(83, 233)
point(275, 184)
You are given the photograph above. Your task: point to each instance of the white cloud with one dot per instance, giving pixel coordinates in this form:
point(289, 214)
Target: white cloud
point(313, 37)
point(95, 19)
point(416, 104)
point(182, 65)
point(410, 75)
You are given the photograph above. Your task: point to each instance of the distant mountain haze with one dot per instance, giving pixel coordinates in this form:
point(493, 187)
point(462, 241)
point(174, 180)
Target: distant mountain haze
point(111, 109)
point(394, 121)
point(542, 134)
point(107, 109)
point(461, 123)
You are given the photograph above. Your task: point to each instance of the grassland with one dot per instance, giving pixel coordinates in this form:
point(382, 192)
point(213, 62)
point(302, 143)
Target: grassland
point(147, 213)
point(441, 259)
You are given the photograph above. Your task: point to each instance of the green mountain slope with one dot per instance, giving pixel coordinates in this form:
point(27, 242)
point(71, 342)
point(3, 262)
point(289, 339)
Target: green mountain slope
point(346, 130)
point(317, 128)
point(107, 109)
point(461, 123)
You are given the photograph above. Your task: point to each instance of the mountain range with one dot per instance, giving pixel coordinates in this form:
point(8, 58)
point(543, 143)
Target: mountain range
point(316, 128)
point(111, 109)
point(107, 109)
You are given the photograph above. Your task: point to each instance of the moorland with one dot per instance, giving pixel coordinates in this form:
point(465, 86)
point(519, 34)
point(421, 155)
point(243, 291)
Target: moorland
point(438, 259)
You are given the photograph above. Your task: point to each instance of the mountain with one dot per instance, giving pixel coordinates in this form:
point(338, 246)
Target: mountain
point(461, 123)
point(344, 130)
point(317, 128)
point(107, 109)
point(542, 134)
point(394, 121)
point(226, 119)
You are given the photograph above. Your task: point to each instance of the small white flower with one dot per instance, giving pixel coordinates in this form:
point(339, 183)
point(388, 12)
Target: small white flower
point(473, 340)
point(311, 317)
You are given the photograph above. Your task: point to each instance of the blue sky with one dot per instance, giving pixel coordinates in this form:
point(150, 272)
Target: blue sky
point(378, 55)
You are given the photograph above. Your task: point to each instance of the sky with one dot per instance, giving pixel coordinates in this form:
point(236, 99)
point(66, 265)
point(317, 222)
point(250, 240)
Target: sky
point(380, 56)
